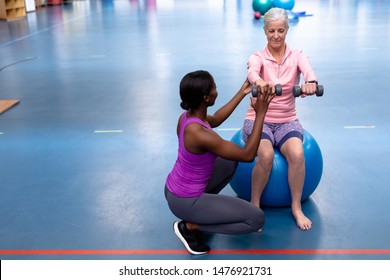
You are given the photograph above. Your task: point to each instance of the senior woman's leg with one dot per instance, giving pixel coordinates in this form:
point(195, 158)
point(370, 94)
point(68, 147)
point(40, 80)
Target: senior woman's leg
point(292, 149)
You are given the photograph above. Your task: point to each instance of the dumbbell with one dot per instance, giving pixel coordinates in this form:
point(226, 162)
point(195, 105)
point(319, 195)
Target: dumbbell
point(278, 90)
point(297, 90)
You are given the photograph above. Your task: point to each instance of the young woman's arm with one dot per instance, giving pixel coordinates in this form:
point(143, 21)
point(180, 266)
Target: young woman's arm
point(199, 139)
point(225, 111)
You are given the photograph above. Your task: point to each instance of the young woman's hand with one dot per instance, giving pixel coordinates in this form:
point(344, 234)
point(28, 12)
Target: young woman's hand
point(264, 97)
point(246, 87)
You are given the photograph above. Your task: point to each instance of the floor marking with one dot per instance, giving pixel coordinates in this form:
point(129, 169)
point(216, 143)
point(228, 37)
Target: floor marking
point(44, 30)
point(212, 252)
point(165, 53)
point(359, 126)
point(20, 61)
point(228, 129)
point(370, 49)
point(97, 56)
point(109, 131)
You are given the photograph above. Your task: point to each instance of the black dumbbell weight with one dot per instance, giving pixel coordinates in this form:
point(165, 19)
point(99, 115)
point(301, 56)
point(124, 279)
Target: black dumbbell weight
point(278, 90)
point(297, 90)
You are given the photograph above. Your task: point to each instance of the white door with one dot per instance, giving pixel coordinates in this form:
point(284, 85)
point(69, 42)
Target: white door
point(30, 5)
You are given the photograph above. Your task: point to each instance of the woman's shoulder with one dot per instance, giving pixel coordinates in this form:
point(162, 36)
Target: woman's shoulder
point(258, 56)
point(260, 53)
point(293, 50)
point(185, 120)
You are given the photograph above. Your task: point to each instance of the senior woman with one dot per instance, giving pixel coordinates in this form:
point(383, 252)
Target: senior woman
point(280, 64)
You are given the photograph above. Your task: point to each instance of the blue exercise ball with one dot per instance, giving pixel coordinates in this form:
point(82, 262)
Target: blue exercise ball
point(261, 6)
point(277, 191)
point(284, 4)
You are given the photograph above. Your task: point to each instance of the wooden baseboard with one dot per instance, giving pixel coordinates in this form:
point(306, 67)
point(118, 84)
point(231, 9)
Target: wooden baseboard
point(7, 104)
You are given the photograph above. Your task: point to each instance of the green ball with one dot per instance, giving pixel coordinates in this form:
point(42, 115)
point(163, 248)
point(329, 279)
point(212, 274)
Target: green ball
point(261, 6)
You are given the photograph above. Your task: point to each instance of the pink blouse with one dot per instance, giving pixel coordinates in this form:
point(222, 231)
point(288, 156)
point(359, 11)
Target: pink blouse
point(263, 65)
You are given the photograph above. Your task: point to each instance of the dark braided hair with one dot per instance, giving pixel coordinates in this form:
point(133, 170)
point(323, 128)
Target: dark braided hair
point(193, 87)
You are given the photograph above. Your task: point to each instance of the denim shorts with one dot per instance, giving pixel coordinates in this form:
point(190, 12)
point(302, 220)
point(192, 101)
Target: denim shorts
point(276, 133)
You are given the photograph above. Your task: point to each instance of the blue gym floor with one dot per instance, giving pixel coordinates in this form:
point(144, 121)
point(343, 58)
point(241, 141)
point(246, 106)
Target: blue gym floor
point(84, 156)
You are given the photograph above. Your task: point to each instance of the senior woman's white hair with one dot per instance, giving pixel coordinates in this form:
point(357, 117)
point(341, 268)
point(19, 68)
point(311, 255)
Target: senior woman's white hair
point(275, 14)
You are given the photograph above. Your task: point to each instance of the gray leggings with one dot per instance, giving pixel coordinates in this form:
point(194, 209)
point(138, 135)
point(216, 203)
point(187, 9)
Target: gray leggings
point(217, 213)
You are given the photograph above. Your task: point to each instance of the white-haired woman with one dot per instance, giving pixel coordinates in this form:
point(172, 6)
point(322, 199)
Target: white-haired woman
point(280, 64)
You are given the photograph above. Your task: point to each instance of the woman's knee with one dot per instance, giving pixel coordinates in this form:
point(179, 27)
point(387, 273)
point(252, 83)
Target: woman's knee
point(265, 158)
point(295, 157)
point(258, 220)
point(230, 168)
point(293, 152)
point(298, 159)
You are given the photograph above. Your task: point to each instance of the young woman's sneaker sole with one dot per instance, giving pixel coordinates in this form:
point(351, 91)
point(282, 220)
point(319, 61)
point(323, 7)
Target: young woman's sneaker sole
point(191, 245)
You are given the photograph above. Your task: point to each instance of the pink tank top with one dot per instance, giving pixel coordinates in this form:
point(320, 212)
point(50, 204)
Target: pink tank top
point(191, 172)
